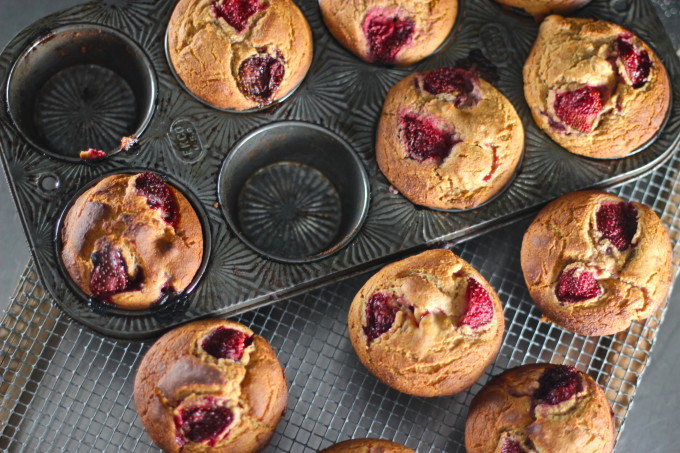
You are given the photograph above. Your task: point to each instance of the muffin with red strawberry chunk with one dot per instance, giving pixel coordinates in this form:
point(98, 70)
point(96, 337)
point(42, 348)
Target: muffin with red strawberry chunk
point(594, 263)
point(427, 325)
point(594, 87)
point(540, 408)
point(131, 240)
point(448, 139)
point(210, 386)
point(389, 32)
point(239, 54)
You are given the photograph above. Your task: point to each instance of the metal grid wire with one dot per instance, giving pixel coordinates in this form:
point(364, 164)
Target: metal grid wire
point(65, 388)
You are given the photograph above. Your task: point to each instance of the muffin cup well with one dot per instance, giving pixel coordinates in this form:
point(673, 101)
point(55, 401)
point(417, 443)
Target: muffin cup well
point(293, 191)
point(81, 86)
point(166, 310)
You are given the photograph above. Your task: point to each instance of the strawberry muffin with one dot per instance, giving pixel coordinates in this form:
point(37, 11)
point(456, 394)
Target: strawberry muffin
point(211, 387)
point(367, 446)
point(428, 325)
point(389, 32)
point(541, 8)
point(594, 263)
point(594, 87)
point(131, 240)
point(448, 139)
point(540, 408)
point(239, 54)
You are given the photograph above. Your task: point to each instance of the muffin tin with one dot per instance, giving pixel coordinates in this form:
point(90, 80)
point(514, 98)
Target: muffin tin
point(202, 149)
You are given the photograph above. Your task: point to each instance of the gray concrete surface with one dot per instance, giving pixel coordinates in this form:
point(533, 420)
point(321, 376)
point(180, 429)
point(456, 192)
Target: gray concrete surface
point(652, 426)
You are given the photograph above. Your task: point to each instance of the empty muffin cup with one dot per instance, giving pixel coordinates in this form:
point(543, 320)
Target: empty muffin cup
point(293, 191)
point(80, 87)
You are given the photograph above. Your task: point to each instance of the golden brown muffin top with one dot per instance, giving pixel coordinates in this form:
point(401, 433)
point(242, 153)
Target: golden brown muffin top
point(367, 446)
point(541, 8)
point(594, 263)
point(390, 31)
point(131, 239)
point(594, 87)
point(239, 54)
point(540, 408)
point(427, 325)
point(211, 383)
point(448, 139)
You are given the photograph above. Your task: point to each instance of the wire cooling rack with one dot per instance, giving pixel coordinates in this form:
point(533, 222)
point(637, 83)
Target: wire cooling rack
point(65, 388)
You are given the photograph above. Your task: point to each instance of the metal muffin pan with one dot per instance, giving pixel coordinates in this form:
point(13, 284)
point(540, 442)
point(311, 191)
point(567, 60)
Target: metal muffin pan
point(189, 142)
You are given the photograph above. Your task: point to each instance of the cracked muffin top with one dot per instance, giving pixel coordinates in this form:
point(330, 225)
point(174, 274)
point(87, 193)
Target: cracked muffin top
point(210, 386)
point(540, 408)
point(132, 240)
point(448, 139)
point(239, 54)
point(367, 446)
point(594, 263)
point(541, 8)
point(390, 31)
point(594, 87)
point(427, 325)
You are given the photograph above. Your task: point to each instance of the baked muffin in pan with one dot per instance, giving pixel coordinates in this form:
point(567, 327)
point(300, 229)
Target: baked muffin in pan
point(541, 8)
point(594, 87)
point(239, 54)
point(131, 240)
point(390, 32)
point(448, 139)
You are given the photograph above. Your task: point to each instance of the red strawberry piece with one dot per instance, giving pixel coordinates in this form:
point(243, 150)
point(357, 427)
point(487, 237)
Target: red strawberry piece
point(511, 446)
point(109, 275)
point(158, 196)
point(635, 61)
point(576, 288)
point(205, 422)
point(579, 108)
point(425, 139)
point(93, 154)
point(478, 306)
point(557, 384)
point(237, 12)
point(494, 165)
point(461, 83)
point(225, 343)
point(260, 77)
point(618, 223)
point(387, 33)
point(380, 315)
